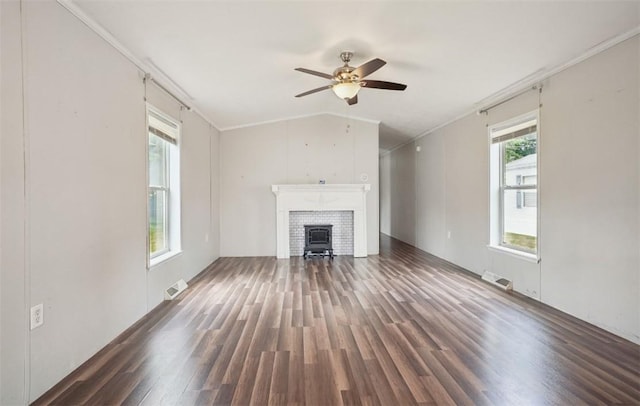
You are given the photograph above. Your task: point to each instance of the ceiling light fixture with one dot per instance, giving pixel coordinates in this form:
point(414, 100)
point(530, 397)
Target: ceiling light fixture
point(346, 90)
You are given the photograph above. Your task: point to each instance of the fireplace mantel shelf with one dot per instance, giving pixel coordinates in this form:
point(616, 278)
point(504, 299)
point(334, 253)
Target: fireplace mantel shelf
point(318, 197)
point(331, 187)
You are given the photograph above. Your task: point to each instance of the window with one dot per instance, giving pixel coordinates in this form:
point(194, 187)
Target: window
point(163, 189)
point(514, 184)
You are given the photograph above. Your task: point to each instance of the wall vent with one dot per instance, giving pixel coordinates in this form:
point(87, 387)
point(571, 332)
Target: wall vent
point(175, 289)
point(497, 280)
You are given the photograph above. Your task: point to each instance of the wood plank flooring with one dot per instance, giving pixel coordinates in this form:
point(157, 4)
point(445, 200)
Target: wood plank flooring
point(400, 328)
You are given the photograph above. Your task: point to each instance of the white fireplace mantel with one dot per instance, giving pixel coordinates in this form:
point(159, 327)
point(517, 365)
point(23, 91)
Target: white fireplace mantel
point(317, 197)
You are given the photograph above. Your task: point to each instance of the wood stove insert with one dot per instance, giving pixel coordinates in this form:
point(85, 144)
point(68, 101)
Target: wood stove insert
point(318, 240)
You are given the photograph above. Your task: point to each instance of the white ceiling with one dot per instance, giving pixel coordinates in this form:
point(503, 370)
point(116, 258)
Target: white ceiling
point(235, 59)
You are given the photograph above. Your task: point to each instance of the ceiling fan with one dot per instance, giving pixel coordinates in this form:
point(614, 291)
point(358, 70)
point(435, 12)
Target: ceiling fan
point(346, 80)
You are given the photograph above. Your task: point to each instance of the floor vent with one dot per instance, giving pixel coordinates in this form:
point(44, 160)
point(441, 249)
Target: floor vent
point(498, 281)
point(175, 289)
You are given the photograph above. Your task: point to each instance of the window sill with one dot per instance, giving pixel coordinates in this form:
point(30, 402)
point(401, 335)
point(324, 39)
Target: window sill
point(163, 258)
point(515, 253)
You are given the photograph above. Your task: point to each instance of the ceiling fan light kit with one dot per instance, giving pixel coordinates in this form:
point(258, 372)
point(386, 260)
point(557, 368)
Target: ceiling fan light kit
point(347, 80)
point(346, 90)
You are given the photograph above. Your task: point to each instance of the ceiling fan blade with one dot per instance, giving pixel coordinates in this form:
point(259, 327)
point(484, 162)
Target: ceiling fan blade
point(368, 68)
point(352, 100)
point(379, 84)
point(314, 90)
point(313, 72)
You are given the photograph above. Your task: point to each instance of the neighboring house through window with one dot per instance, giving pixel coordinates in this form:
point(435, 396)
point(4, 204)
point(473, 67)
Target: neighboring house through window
point(514, 184)
point(163, 186)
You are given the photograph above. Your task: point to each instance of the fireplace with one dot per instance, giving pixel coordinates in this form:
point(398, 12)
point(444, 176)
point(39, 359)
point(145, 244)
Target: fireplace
point(328, 197)
point(318, 240)
point(341, 233)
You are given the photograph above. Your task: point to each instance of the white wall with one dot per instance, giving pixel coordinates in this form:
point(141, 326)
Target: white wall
point(591, 266)
point(430, 196)
point(13, 328)
point(589, 192)
point(86, 187)
point(296, 151)
point(86, 197)
point(401, 212)
point(385, 198)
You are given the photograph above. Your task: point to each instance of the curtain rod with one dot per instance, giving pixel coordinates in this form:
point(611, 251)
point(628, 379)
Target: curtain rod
point(147, 76)
point(486, 109)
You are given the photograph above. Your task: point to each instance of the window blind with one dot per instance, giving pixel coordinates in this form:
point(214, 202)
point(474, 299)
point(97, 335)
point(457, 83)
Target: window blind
point(163, 128)
point(514, 134)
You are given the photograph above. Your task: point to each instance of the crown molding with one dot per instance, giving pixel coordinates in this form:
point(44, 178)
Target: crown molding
point(527, 83)
point(325, 113)
point(519, 86)
point(544, 74)
point(74, 9)
point(147, 67)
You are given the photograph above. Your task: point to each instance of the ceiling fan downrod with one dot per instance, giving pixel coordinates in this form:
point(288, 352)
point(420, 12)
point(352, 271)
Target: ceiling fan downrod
point(346, 57)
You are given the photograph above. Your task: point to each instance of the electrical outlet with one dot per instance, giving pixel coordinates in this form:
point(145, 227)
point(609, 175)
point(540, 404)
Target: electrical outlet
point(37, 316)
point(449, 235)
point(206, 237)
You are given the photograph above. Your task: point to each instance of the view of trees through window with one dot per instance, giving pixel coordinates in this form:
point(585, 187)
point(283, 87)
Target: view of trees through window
point(519, 148)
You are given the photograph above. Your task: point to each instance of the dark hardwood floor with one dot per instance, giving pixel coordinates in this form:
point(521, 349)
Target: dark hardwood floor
point(400, 328)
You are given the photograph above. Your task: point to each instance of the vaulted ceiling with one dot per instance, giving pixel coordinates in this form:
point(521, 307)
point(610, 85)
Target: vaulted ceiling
point(235, 60)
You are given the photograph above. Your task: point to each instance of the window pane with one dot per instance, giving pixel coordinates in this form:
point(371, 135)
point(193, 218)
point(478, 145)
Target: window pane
point(157, 221)
point(157, 161)
point(520, 161)
point(519, 223)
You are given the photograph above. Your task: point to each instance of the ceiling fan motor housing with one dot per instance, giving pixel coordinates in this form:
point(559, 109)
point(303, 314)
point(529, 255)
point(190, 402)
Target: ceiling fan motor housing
point(343, 73)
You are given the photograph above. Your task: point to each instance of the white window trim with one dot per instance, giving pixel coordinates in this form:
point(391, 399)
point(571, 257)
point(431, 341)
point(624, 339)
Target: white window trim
point(174, 196)
point(515, 253)
point(496, 201)
point(159, 259)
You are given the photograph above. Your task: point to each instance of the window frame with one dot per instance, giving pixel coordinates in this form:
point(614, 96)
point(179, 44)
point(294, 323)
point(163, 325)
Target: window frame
point(504, 188)
point(166, 189)
point(171, 189)
point(498, 187)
